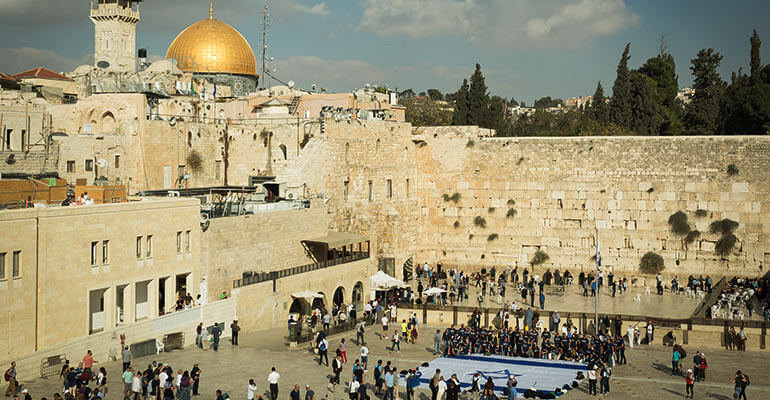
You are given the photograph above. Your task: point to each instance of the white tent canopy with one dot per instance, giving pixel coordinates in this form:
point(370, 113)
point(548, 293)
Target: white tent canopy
point(307, 295)
point(433, 291)
point(383, 281)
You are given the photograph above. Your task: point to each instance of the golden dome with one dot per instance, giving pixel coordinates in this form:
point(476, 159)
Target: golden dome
point(212, 46)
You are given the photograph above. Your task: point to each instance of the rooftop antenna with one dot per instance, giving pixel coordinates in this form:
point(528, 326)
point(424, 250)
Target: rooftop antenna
point(265, 16)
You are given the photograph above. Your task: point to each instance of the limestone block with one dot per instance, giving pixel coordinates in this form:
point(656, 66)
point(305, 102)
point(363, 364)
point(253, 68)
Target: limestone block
point(740, 187)
point(557, 194)
point(690, 187)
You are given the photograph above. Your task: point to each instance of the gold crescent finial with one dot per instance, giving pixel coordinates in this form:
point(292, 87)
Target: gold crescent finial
point(211, 10)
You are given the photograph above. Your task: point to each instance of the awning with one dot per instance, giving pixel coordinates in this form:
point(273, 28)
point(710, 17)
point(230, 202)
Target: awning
point(383, 281)
point(307, 295)
point(338, 239)
point(433, 291)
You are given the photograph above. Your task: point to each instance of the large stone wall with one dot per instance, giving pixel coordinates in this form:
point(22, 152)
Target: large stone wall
point(568, 189)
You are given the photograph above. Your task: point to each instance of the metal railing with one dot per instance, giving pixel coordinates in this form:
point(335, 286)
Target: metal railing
point(259, 277)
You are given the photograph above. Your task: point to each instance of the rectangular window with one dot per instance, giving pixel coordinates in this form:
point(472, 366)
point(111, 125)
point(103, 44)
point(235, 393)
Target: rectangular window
point(105, 251)
point(390, 188)
point(347, 184)
point(217, 169)
point(370, 190)
point(89, 165)
point(70, 166)
point(117, 160)
point(187, 241)
point(2, 265)
point(149, 246)
point(16, 263)
point(94, 251)
point(138, 247)
point(407, 188)
point(179, 242)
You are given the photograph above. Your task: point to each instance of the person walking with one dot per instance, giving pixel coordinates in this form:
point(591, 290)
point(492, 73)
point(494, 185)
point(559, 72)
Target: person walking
point(592, 380)
point(343, 351)
point(389, 383)
point(365, 357)
point(412, 381)
point(511, 385)
point(195, 377)
point(360, 328)
point(127, 357)
point(442, 386)
point(434, 385)
point(309, 393)
point(740, 381)
point(10, 377)
point(689, 380)
point(330, 389)
point(323, 349)
point(336, 368)
point(272, 379)
point(676, 356)
point(437, 342)
point(251, 390)
point(605, 379)
point(294, 394)
point(542, 300)
point(216, 333)
point(396, 342)
point(128, 379)
point(234, 328)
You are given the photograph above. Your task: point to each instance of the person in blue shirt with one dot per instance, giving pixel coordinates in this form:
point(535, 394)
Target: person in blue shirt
point(412, 381)
point(389, 383)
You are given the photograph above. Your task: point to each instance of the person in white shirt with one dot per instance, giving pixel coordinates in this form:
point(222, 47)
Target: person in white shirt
point(441, 389)
point(272, 379)
point(365, 357)
point(163, 377)
point(631, 336)
point(178, 379)
point(393, 313)
point(251, 390)
point(136, 385)
point(384, 327)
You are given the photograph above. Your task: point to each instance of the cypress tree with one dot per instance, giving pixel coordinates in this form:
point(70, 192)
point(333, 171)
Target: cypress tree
point(702, 114)
point(662, 69)
point(620, 106)
point(598, 105)
point(756, 61)
point(645, 110)
point(478, 100)
point(460, 115)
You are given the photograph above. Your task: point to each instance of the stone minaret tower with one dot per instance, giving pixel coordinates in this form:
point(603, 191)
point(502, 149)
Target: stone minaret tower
point(115, 33)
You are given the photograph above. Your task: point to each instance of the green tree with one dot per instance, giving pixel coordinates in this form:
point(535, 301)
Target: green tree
point(478, 100)
point(702, 114)
point(598, 108)
point(406, 94)
point(756, 61)
point(426, 113)
point(435, 94)
point(645, 111)
point(497, 116)
point(462, 105)
point(620, 106)
point(746, 103)
point(662, 69)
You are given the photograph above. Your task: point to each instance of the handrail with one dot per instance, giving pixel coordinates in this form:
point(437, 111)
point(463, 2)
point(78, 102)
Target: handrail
point(260, 277)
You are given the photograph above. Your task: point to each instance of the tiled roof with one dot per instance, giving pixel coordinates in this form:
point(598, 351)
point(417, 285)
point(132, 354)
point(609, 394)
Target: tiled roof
point(41, 72)
point(6, 77)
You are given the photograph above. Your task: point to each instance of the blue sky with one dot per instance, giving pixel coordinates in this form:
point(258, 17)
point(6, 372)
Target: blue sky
point(527, 48)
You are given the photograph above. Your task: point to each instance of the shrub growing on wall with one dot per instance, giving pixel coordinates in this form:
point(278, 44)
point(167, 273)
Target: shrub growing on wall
point(732, 170)
point(195, 161)
point(538, 258)
point(723, 226)
point(725, 245)
point(492, 237)
point(480, 221)
point(678, 223)
point(651, 263)
point(700, 213)
point(511, 213)
point(691, 237)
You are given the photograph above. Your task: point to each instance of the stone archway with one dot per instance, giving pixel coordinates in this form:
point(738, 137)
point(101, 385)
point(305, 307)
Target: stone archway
point(299, 306)
point(319, 303)
point(107, 123)
point(339, 296)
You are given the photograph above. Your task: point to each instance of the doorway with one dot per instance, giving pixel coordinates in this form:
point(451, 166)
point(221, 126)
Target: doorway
point(120, 303)
point(96, 311)
point(162, 296)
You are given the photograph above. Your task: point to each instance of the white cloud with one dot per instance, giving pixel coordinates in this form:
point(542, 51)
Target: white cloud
point(337, 75)
point(16, 60)
point(318, 9)
point(499, 23)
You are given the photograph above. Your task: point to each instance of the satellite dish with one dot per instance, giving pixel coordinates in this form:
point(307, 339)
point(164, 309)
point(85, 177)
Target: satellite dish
point(103, 64)
point(88, 128)
point(291, 84)
point(102, 163)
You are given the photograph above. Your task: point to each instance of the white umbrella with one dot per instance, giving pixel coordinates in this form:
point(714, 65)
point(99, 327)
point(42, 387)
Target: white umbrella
point(383, 281)
point(433, 291)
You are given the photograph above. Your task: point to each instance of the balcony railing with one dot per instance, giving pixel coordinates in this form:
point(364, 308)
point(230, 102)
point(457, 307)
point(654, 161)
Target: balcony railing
point(259, 277)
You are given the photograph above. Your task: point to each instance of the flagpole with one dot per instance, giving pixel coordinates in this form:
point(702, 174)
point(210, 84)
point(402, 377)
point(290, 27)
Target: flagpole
point(598, 270)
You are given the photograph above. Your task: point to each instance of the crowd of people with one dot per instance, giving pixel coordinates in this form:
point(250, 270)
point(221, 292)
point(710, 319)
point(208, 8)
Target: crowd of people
point(740, 297)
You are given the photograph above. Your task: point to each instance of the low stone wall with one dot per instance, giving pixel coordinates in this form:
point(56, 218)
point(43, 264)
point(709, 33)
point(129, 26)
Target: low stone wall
point(106, 345)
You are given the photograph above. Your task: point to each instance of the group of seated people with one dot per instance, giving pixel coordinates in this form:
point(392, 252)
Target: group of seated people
point(738, 297)
point(513, 342)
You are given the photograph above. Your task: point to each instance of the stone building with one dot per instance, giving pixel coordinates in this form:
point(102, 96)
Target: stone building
point(115, 33)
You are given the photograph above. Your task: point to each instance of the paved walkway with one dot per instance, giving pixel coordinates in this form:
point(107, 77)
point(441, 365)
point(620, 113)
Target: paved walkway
point(669, 305)
point(647, 376)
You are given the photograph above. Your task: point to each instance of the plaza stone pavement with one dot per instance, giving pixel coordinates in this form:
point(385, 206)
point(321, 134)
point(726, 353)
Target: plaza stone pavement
point(669, 305)
point(646, 376)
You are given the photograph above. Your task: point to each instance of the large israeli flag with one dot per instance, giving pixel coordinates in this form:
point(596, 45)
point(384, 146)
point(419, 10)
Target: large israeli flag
point(545, 375)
